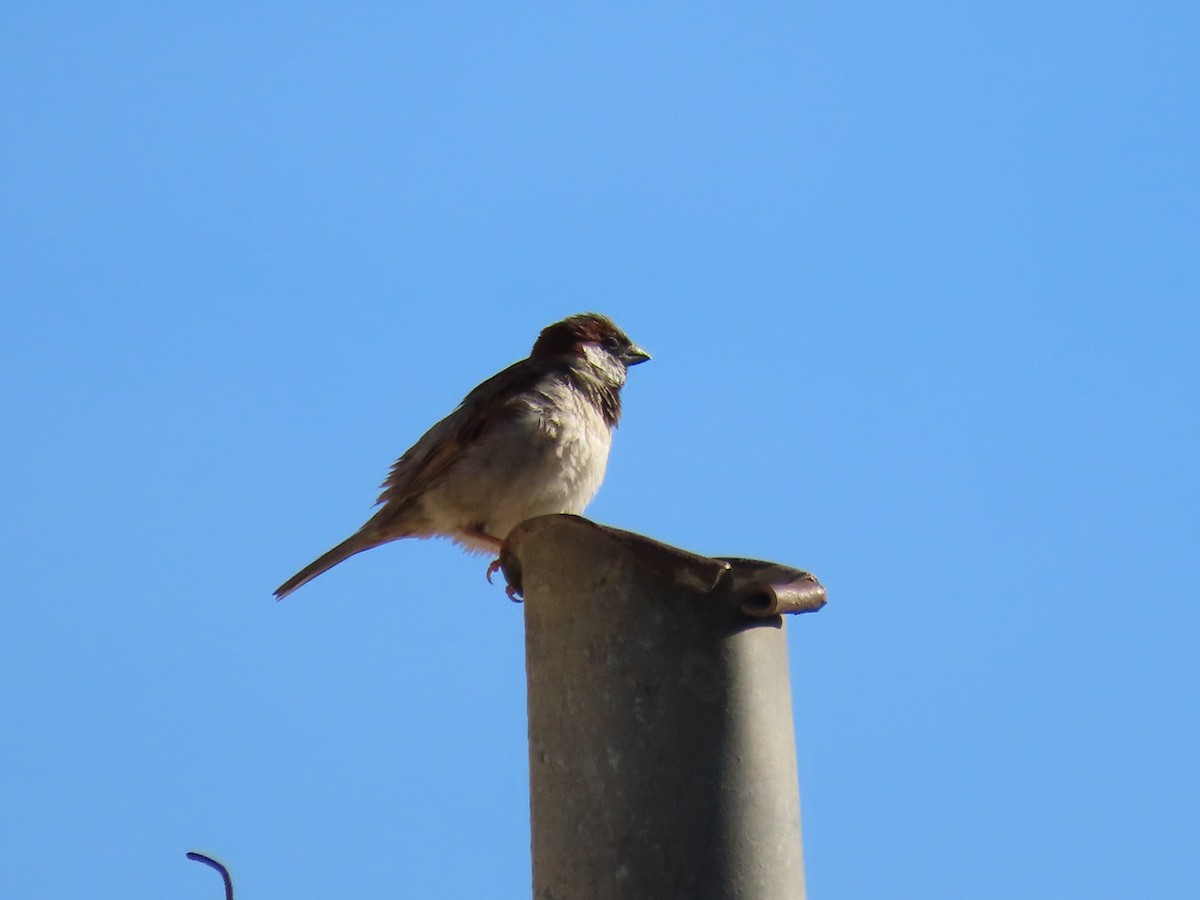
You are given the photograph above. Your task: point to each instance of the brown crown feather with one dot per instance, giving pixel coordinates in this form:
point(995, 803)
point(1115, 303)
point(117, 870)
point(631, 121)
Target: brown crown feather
point(569, 334)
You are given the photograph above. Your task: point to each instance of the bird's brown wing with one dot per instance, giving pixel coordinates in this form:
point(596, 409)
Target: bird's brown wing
point(429, 460)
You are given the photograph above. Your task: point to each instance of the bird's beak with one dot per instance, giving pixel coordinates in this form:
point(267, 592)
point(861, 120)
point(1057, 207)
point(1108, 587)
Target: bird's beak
point(634, 355)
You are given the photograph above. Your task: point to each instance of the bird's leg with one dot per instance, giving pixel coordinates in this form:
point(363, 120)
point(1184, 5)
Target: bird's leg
point(479, 536)
point(508, 588)
point(495, 567)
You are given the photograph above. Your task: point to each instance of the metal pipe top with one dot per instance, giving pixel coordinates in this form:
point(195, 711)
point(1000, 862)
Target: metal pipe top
point(758, 588)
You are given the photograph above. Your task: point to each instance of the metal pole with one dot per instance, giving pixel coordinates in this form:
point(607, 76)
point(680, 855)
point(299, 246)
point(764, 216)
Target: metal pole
point(662, 756)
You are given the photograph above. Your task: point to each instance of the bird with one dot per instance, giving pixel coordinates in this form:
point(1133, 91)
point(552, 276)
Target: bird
point(531, 440)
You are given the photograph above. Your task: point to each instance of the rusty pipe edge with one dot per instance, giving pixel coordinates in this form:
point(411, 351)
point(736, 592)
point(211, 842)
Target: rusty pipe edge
point(758, 588)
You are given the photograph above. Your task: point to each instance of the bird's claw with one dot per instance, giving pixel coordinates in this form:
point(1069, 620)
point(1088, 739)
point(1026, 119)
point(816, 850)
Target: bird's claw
point(513, 594)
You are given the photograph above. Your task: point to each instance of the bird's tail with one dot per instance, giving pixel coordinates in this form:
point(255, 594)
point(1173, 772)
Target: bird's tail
point(356, 543)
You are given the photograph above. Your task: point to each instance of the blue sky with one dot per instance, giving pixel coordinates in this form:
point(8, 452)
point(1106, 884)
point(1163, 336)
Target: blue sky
point(921, 285)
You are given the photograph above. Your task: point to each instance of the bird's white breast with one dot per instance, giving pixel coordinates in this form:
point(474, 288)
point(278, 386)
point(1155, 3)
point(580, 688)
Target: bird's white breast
point(580, 440)
point(549, 458)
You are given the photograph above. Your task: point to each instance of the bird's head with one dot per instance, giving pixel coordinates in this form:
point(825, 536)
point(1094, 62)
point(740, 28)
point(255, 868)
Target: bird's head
point(593, 338)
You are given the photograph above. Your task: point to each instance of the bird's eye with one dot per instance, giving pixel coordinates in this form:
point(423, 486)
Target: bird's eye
point(611, 343)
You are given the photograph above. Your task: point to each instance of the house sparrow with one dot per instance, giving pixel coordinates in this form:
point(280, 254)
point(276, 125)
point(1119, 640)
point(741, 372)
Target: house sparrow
point(529, 441)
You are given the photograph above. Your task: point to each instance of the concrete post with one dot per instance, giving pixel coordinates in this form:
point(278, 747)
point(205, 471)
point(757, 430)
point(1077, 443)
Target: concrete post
point(662, 757)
